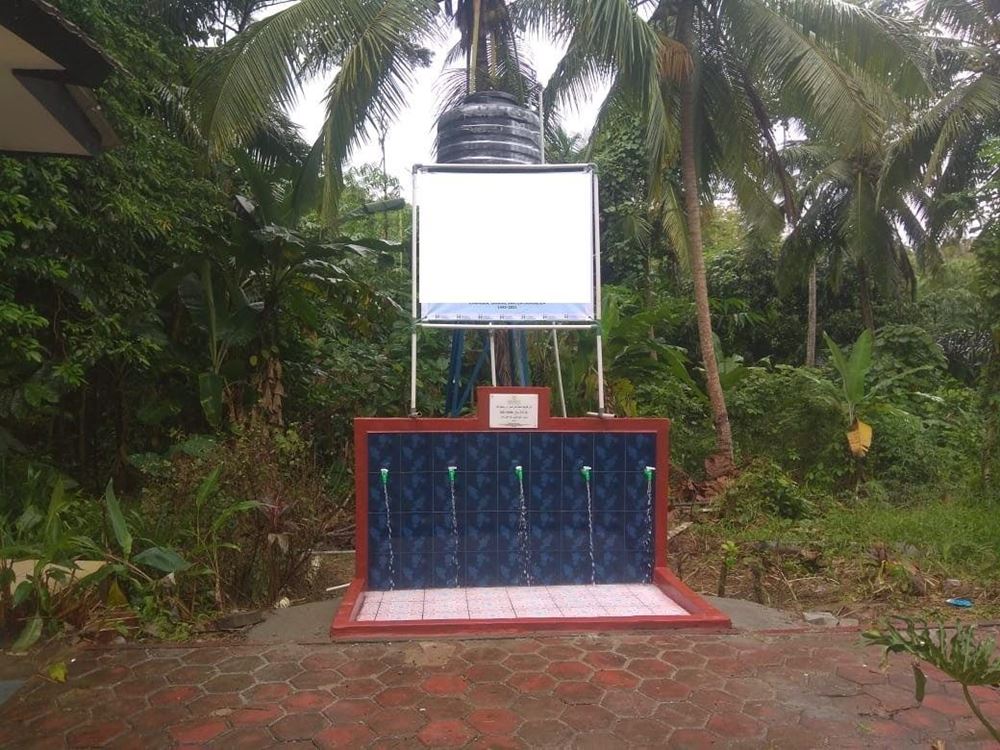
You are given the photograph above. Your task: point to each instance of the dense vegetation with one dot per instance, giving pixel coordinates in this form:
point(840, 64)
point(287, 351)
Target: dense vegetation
point(189, 323)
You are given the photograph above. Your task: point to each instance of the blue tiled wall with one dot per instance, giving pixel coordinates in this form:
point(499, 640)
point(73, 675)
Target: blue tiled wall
point(487, 552)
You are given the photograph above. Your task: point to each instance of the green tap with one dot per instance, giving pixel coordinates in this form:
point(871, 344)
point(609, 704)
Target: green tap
point(451, 473)
point(385, 476)
point(519, 471)
point(585, 470)
point(648, 471)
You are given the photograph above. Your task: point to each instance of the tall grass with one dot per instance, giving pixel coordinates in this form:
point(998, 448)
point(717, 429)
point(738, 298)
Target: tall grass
point(952, 537)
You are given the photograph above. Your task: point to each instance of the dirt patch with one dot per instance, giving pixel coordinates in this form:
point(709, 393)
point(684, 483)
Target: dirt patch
point(326, 569)
point(428, 653)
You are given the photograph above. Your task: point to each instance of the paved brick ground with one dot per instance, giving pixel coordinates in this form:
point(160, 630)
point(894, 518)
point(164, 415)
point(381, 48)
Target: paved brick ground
point(602, 692)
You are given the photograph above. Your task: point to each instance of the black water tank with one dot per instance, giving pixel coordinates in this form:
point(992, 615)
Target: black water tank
point(488, 127)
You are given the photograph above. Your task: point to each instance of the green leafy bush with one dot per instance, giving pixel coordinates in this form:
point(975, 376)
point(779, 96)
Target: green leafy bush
point(691, 435)
point(784, 415)
point(762, 489)
point(53, 537)
point(930, 439)
point(910, 355)
point(251, 508)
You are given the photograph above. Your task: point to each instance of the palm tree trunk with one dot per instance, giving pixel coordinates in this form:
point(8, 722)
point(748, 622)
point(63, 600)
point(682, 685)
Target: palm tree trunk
point(722, 462)
point(865, 297)
point(505, 367)
point(811, 323)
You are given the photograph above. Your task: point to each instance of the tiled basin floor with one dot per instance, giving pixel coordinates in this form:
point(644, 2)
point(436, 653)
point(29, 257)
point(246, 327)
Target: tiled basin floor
point(613, 600)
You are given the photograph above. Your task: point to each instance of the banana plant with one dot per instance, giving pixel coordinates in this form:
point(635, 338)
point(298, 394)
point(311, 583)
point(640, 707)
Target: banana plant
point(853, 370)
point(853, 395)
point(221, 310)
point(235, 294)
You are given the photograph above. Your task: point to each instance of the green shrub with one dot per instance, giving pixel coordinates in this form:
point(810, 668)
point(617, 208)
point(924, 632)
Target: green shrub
point(691, 436)
point(762, 490)
point(784, 415)
point(50, 536)
point(284, 509)
point(928, 438)
point(909, 354)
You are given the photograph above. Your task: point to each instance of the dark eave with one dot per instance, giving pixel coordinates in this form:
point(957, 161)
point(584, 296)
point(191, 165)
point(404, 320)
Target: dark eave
point(48, 31)
point(48, 68)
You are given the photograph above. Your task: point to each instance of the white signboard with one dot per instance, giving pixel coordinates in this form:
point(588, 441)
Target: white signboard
point(505, 246)
point(514, 410)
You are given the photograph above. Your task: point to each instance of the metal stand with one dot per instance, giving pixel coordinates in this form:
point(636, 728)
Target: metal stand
point(559, 377)
point(414, 312)
point(413, 372)
point(597, 308)
point(493, 358)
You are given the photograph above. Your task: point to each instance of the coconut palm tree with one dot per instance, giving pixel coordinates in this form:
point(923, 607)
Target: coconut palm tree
point(371, 47)
point(939, 150)
point(707, 78)
point(848, 221)
point(489, 46)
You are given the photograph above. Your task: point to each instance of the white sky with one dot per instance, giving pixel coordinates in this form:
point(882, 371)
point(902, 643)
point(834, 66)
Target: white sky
point(411, 137)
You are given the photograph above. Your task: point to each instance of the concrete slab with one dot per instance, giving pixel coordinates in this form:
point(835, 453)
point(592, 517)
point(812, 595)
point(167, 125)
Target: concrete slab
point(303, 623)
point(747, 615)
point(309, 623)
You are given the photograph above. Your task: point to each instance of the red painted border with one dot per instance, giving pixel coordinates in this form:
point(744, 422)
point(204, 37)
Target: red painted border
point(346, 626)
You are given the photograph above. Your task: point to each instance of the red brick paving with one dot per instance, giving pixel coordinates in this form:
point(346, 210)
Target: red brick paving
point(604, 692)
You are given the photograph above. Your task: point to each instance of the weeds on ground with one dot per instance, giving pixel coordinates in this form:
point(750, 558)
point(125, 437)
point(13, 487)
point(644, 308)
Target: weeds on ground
point(971, 661)
point(862, 550)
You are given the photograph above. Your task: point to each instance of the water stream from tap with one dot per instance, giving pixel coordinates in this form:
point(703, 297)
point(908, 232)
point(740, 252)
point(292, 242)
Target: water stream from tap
point(590, 524)
point(454, 521)
point(647, 540)
point(384, 473)
point(522, 526)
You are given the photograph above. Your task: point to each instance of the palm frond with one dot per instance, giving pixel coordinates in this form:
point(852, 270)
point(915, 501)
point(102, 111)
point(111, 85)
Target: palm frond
point(814, 82)
point(675, 220)
point(814, 232)
point(979, 104)
point(604, 38)
point(370, 87)
point(968, 107)
point(174, 105)
point(262, 69)
point(305, 188)
point(881, 45)
point(974, 20)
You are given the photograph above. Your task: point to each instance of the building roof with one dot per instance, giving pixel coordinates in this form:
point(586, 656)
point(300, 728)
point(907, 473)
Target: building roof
point(48, 68)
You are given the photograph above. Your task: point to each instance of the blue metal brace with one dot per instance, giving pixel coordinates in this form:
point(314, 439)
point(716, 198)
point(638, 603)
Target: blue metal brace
point(457, 396)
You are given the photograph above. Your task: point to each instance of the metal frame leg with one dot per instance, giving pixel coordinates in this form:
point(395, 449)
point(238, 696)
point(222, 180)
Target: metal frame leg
point(559, 377)
point(493, 358)
point(413, 373)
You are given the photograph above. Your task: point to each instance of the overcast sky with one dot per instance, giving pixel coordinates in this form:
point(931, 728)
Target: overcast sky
point(411, 137)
